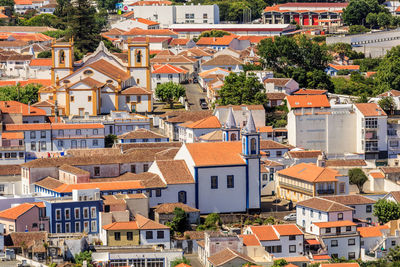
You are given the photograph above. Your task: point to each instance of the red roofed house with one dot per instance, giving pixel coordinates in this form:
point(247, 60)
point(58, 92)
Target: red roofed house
point(322, 14)
point(130, 23)
point(341, 238)
point(168, 73)
point(13, 112)
point(190, 132)
point(220, 43)
point(25, 217)
point(333, 70)
point(12, 148)
point(284, 240)
point(40, 68)
point(182, 43)
point(280, 85)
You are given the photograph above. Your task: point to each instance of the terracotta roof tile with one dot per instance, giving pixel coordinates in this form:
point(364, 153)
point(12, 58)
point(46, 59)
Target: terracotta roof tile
point(151, 3)
point(167, 69)
point(136, 90)
point(175, 171)
point(147, 224)
point(287, 229)
point(307, 101)
point(132, 225)
point(223, 60)
point(264, 232)
point(322, 204)
point(141, 134)
point(276, 96)
point(12, 135)
point(15, 212)
point(30, 240)
point(14, 107)
point(176, 41)
point(351, 199)
point(390, 170)
point(243, 107)
point(225, 40)
point(391, 92)
point(154, 32)
point(310, 92)
point(73, 170)
point(305, 154)
point(28, 127)
point(213, 136)
point(345, 162)
point(345, 67)
point(377, 175)
point(216, 153)
point(310, 172)
point(395, 195)
point(168, 208)
point(206, 123)
point(146, 179)
point(269, 144)
point(41, 62)
point(370, 109)
point(250, 240)
point(227, 255)
point(7, 170)
point(281, 82)
point(60, 126)
point(334, 224)
point(184, 116)
point(371, 231)
point(146, 21)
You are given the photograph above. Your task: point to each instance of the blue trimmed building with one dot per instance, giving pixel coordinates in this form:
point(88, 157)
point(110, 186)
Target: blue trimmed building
point(76, 214)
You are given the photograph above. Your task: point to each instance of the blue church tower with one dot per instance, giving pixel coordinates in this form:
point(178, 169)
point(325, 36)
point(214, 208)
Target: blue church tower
point(251, 154)
point(230, 131)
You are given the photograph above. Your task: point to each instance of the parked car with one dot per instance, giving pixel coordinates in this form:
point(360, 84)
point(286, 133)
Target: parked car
point(290, 217)
point(203, 103)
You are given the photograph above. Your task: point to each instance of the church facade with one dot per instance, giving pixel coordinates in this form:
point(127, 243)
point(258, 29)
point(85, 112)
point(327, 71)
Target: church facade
point(101, 82)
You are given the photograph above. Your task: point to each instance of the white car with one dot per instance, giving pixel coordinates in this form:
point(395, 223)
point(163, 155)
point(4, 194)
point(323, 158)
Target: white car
point(290, 217)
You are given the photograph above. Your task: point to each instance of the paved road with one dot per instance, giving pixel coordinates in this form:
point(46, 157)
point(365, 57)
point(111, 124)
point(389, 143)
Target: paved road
point(193, 94)
point(194, 260)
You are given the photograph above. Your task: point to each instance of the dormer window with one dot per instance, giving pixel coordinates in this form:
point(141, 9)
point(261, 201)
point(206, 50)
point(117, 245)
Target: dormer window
point(88, 72)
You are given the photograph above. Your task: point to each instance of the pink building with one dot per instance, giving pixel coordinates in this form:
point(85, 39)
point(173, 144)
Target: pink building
point(29, 217)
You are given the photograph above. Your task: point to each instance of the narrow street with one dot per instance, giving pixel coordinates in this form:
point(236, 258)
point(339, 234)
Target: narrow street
point(194, 260)
point(193, 94)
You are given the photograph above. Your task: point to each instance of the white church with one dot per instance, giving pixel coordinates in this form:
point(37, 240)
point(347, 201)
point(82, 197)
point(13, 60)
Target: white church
point(101, 82)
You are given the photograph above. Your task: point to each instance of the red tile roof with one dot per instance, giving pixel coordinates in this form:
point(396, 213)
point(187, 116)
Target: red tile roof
point(307, 101)
point(146, 21)
point(15, 212)
point(225, 40)
point(310, 172)
point(14, 107)
point(377, 175)
point(167, 69)
point(206, 123)
point(310, 92)
point(345, 67)
point(334, 224)
point(371, 231)
point(250, 240)
point(287, 229)
point(12, 135)
point(151, 3)
point(28, 127)
point(136, 90)
point(370, 109)
point(264, 232)
point(44, 82)
point(216, 154)
point(132, 225)
point(154, 32)
point(177, 41)
point(41, 62)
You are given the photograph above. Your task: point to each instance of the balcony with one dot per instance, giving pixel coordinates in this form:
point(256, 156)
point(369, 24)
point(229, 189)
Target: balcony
point(325, 191)
point(12, 148)
point(76, 136)
point(295, 187)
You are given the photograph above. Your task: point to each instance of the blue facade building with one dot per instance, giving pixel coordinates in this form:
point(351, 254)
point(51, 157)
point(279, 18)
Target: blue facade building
point(76, 214)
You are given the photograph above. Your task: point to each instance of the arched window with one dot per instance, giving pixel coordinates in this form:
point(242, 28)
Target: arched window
point(182, 197)
point(138, 56)
point(62, 57)
point(233, 137)
point(253, 146)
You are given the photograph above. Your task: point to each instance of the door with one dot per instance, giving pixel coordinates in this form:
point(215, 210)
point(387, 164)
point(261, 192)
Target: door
point(81, 112)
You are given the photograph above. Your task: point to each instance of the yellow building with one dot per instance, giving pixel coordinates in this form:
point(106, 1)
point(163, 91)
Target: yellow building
point(121, 234)
point(306, 180)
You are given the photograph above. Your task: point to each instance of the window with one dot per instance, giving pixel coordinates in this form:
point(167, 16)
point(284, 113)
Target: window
point(327, 230)
point(78, 132)
point(138, 99)
point(253, 144)
point(95, 131)
point(7, 155)
point(351, 242)
point(138, 56)
point(21, 155)
point(117, 236)
point(319, 215)
point(214, 182)
point(96, 171)
point(369, 208)
point(230, 181)
point(86, 227)
point(73, 144)
point(160, 234)
point(58, 214)
point(11, 228)
point(352, 255)
point(279, 153)
point(158, 77)
point(169, 76)
point(149, 234)
point(95, 142)
point(77, 227)
point(129, 236)
point(60, 143)
point(205, 15)
point(158, 192)
point(93, 212)
point(137, 80)
point(292, 248)
point(13, 155)
point(72, 98)
point(133, 168)
point(393, 243)
point(311, 213)
point(292, 237)
point(265, 177)
point(77, 212)
point(334, 243)
point(371, 123)
point(58, 228)
point(86, 213)
point(127, 99)
point(43, 146)
point(348, 228)
point(33, 135)
point(340, 216)
point(67, 214)
point(68, 227)
point(93, 226)
point(42, 134)
point(89, 98)
point(148, 191)
point(342, 188)
point(182, 197)
point(145, 167)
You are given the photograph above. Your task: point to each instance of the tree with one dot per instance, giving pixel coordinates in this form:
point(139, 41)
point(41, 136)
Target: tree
point(354, 29)
point(170, 91)
point(44, 54)
point(179, 223)
point(214, 33)
point(388, 74)
point(110, 140)
point(394, 254)
point(179, 261)
point(26, 94)
point(107, 4)
point(372, 20)
point(212, 222)
point(386, 210)
point(280, 263)
point(241, 89)
point(7, 3)
point(387, 104)
point(384, 19)
point(358, 178)
point(42, 20)
point(84, 256)
point(356, 12)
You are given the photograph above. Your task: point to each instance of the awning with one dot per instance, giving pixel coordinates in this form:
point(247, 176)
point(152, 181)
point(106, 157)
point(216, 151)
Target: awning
point(312, 242)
